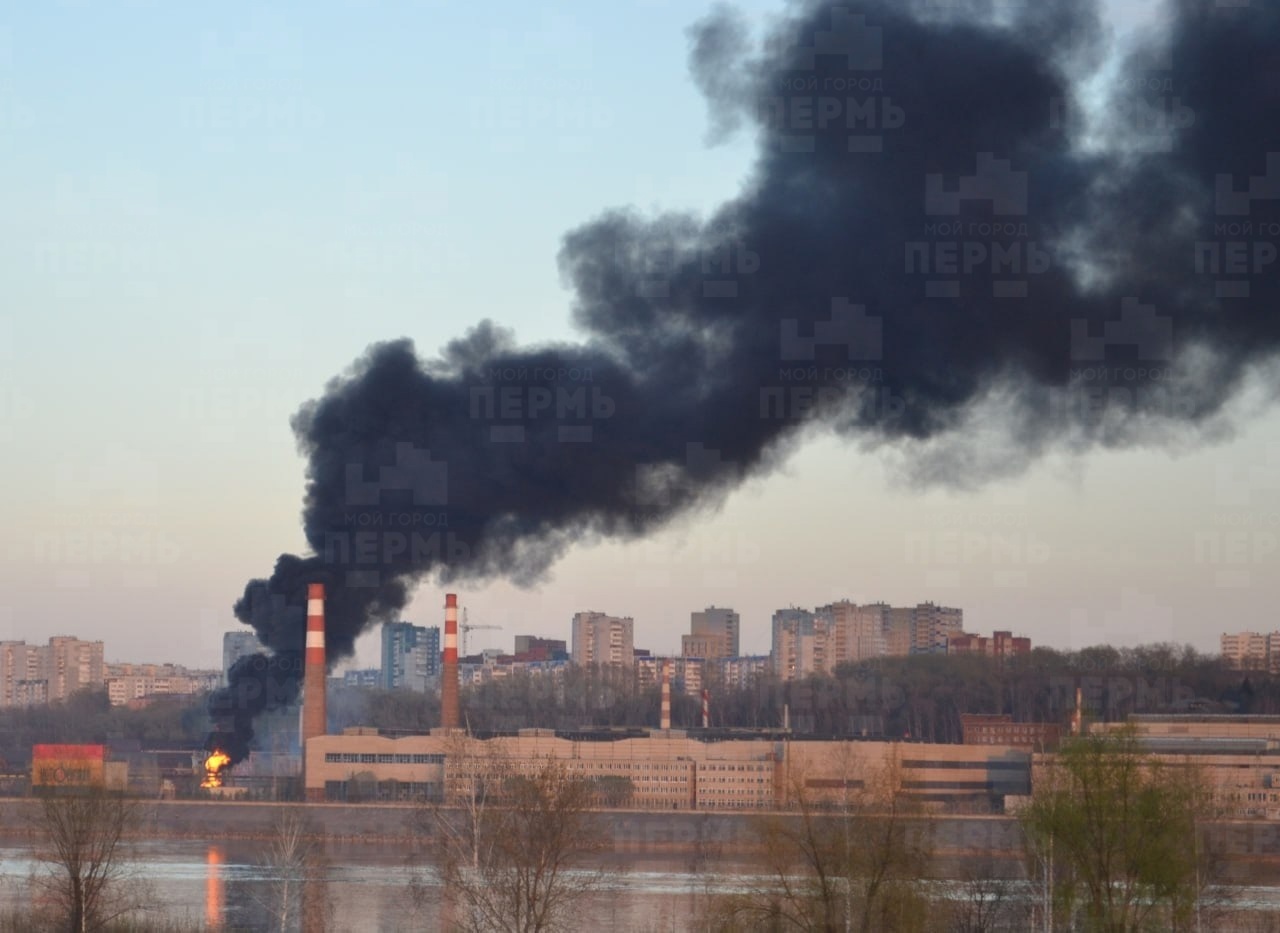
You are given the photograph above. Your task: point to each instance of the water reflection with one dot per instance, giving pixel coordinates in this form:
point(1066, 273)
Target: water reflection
point(225, 885)
point(214, 894)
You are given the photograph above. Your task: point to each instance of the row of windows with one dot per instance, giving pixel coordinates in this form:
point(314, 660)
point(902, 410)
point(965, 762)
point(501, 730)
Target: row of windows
point(368, 758)
point(990, 765)
point(963, 785)
point(720, 780)
point(732, 768)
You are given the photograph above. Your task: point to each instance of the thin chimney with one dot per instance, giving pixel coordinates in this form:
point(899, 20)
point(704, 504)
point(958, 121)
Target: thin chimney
point(449, 670)
point(666, 696)
point(314, 713)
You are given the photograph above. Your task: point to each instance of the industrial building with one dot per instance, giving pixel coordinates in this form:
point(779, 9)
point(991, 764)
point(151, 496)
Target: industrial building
point(1237, 756)
point(668, 769)
point(709, 769)
point(1000, 729)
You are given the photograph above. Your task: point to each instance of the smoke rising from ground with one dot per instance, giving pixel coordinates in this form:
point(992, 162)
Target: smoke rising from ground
point(946, 246)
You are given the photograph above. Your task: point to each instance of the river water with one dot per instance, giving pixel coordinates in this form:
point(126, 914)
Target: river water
point(228, 886)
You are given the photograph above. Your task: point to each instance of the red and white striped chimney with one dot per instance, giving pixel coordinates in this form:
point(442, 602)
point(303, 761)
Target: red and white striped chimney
point(449, 670)
point(665, 722)
point(706, 708)
point(315, 718)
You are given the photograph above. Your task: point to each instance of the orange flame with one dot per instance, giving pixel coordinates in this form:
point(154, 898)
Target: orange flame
point(213, 766)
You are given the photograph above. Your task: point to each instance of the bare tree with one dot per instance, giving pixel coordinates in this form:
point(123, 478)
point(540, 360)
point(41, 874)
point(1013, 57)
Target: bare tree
point(294, 896)
point(85, 874)
point(514, 846)
point(843, 863)
point(988, 903)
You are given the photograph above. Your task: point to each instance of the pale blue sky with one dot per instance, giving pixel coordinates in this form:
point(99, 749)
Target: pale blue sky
point(210, 212)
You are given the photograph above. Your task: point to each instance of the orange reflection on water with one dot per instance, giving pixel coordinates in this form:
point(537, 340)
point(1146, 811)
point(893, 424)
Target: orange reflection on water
point(213, 892)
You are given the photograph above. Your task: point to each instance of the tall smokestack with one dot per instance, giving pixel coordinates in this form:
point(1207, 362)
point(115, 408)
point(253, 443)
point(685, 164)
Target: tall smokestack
point(315, 719)
point(706, 708)
point(449, 671)
point(665, 722)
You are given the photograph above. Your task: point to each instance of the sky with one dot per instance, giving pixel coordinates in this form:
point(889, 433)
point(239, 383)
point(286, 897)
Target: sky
point(209, 213)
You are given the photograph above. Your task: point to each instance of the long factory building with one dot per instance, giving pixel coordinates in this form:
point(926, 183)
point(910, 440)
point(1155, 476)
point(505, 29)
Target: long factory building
point(668, 769)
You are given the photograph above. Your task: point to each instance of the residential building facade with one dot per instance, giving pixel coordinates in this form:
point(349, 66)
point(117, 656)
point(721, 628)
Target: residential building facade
point(33, 674)
point(410, 656)
point(603, 639)
point(236, 645)
point(713, 633)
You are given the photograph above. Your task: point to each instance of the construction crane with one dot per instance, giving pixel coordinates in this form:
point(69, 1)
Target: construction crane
point(466, 626)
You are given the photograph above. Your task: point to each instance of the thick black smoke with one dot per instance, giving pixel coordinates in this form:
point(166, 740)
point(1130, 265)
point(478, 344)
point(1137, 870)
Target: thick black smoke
point(950, 244)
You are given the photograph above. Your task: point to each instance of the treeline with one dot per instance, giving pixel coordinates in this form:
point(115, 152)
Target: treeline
point(87, 716)
point(920, 697)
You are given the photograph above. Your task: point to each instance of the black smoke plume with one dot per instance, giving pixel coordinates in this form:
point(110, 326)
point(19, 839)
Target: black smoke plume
point(952, 243)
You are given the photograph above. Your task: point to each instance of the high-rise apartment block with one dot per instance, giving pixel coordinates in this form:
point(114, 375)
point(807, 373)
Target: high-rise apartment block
point(410, 655)
point(31, 674)
point(1252, 651)
point(816, 642)
point(932, 625)
point(21, 673)
point(603, 639)
point(713, 633)
point(236, 645)
point(797, 645)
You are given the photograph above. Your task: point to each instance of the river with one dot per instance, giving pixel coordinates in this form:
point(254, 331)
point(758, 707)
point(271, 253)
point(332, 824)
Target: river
point(228, 886)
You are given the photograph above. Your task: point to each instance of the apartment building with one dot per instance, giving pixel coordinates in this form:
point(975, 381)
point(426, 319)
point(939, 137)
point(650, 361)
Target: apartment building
point(1001, 644)
point(130, 683)
point(1252, 651)
point(854, 633)
point(236, 645)
point(742, 671)
point(603, 639)
point(410, 656)
point(843, 632)
point(713, 633)
point(932, 626)
point(797, 644)
point(21, 674)
point(688, 675)
point(31, 674)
